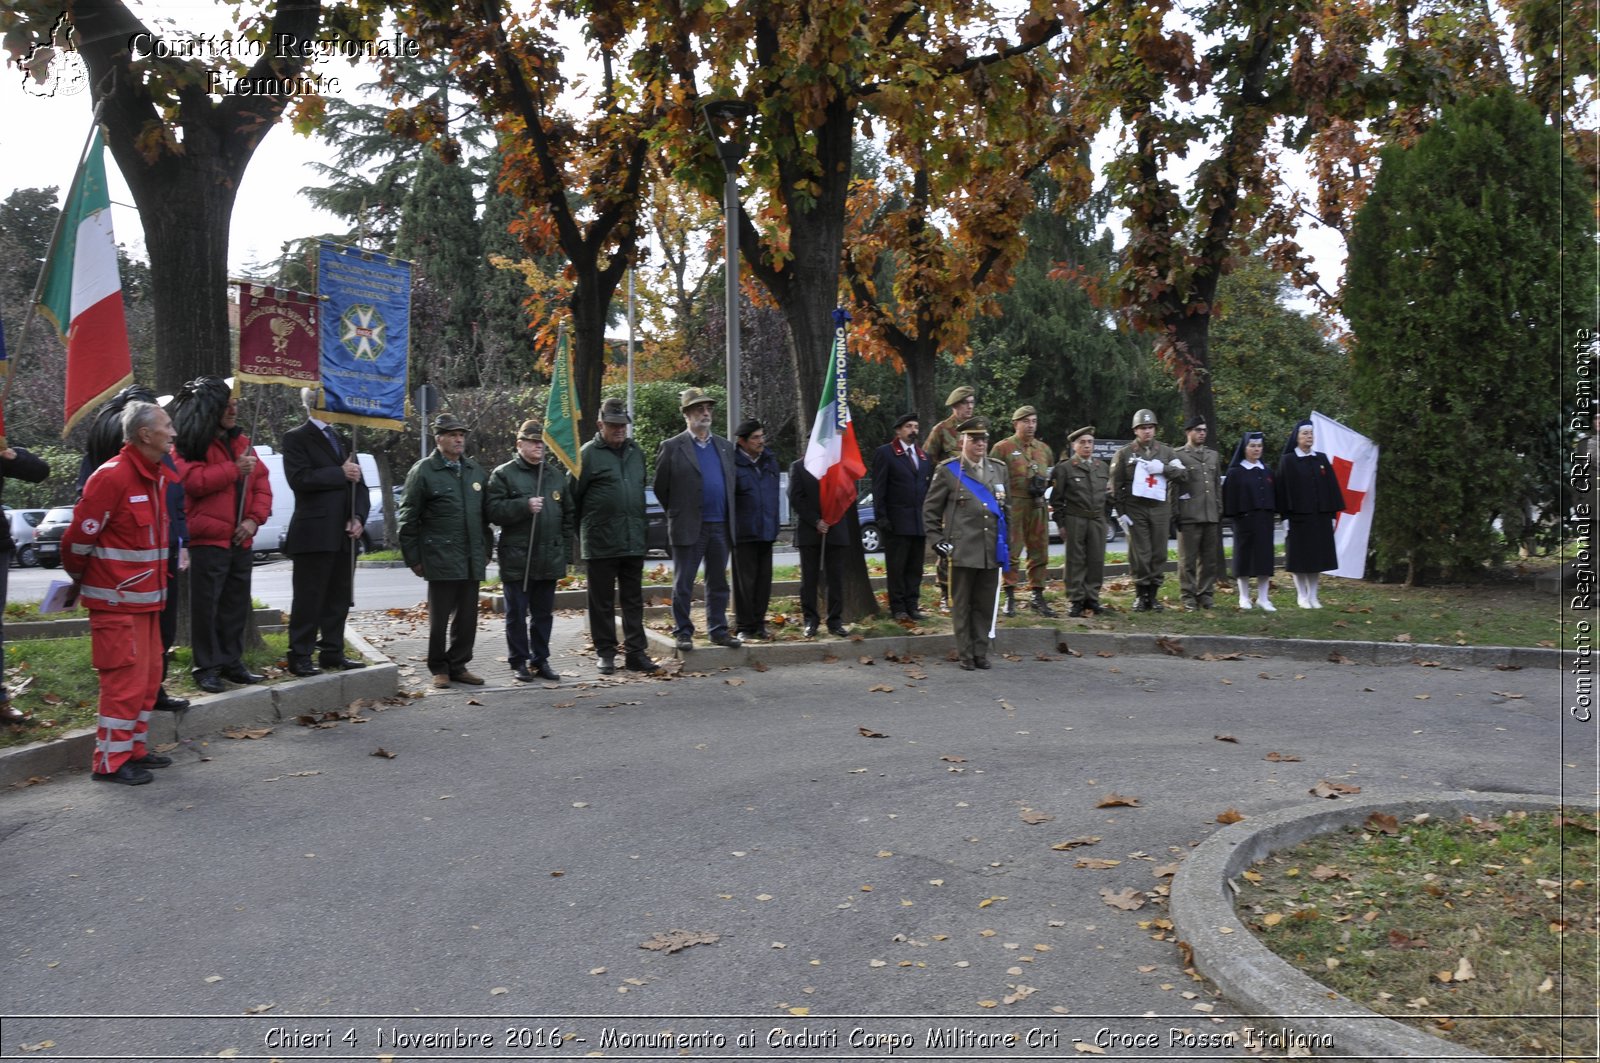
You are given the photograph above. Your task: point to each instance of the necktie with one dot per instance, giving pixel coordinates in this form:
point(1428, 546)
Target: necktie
point(913, 452)
point(333, 439)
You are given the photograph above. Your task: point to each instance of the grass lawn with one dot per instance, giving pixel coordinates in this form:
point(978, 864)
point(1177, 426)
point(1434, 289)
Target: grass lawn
point(1479, 931)
point(53, 681)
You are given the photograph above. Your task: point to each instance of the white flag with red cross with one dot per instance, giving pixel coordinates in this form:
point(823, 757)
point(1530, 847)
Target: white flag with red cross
point(1355, 463)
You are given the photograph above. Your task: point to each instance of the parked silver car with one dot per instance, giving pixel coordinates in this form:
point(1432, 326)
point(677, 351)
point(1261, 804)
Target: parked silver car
point(24, 526)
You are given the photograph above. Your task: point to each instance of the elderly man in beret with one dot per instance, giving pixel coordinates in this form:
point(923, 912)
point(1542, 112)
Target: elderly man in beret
point(944, 443)
point(695, 483)
point(1080, 485)
point(1028, 460)
point(445, 538)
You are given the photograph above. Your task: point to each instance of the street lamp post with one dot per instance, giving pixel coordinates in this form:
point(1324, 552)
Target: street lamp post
point(726, 119)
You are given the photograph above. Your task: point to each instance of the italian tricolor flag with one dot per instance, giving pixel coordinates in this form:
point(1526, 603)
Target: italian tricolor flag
point(832, 455)
point(82, 293)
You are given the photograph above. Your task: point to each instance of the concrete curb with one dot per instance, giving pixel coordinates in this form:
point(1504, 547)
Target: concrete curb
point(267, 619)
point(1252, 976)
point(253, 705)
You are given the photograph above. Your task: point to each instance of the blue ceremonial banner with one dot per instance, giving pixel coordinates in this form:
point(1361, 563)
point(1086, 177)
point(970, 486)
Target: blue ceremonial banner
point(364, 335)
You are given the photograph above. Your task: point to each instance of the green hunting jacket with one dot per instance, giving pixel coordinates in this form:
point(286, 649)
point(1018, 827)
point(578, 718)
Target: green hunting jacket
point(444, 519)
point(510, 487)
point(609, 499)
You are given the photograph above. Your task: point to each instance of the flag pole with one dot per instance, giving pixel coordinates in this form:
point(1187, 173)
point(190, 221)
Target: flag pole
point(55, 238)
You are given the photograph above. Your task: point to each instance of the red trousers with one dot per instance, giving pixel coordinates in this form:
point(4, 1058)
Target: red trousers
point(127, 654)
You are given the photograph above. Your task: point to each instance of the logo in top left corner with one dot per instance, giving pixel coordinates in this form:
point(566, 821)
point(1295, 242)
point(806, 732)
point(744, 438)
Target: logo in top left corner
point(53, 66)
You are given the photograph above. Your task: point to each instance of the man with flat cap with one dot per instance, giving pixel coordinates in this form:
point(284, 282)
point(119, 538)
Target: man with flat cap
point(944, 443)
point(1141, 477)
point(1079, 488)
point(1028, 460)
point(901, 473)
point(445, 538)
point(965, 517)
point(1199, 508)
point(608, 500)
point(530, 500)
point(695, 484)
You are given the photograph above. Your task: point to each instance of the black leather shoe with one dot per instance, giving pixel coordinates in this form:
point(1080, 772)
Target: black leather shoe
point(981, 663)
point(127, 775)
point(966, 665)
point(167, 703)
point(904, 618)
point(730, 641)
point(210, 682)
point(151, 760)
point(238, 673)
point(1075, 609)
point(521, 674)
point(544, 671)
point(811, 629)
point(918, 614)
point(685, 643)
point(606, 666)
point(341, 664)
point(839, 631)
point(763, 633)
point(638, 663)
point(303, 668)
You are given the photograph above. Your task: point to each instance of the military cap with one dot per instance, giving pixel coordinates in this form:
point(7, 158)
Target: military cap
point(960, 394)
point(531, 429)
point(1087, 430)
point(1023, 411)
point(1195, 422)
point(906, 418)
point(613, 411)
point(448, 422)
point(694, 397)
point(1144, 417)
point(973, 426)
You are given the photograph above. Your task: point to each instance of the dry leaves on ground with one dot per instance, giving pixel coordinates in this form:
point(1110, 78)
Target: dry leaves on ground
point(1325, 788)
point(1128, 899)
point(1033, 816)
point(1381, 823)
point(384, 753)
point(1115, 800)
point(1073, 843)
point(1094, 863)
point(1229, 815)
point(867, 732)
point(1226, 738)
point(1282, 758)
point(880, 688)
point(675, 940)
point(247, 732)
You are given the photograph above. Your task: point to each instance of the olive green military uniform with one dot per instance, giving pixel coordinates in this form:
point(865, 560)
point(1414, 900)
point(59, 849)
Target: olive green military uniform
point(1027, 517)
point(1199, 505)
point(1078, 501)
point(1151, 520)
point(952, 512)
point(943, 443)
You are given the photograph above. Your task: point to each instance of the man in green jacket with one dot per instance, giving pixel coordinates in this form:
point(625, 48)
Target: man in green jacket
point(608, 499)
point(530, 500)
point(445, 538)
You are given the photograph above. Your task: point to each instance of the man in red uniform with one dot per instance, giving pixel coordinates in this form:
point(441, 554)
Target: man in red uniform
point(115, 550)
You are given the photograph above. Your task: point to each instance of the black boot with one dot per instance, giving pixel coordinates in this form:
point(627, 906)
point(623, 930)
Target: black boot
point(1076, 609)
point(1011, 601)
point(1141, 601)
point(1041, 606)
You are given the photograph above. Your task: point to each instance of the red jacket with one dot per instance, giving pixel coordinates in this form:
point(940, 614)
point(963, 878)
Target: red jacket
point(211, 501)
point(116, 545)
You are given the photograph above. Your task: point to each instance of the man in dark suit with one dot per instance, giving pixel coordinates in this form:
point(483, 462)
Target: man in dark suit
point(330, 510)
point(900, 475)
point(695, 482)
point(823, 548)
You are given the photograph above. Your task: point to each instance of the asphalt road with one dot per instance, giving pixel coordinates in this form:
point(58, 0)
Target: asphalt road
point(511, 858)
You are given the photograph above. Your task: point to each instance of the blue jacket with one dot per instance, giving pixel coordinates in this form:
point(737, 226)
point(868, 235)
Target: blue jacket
point(899, 489)
point(756, 497)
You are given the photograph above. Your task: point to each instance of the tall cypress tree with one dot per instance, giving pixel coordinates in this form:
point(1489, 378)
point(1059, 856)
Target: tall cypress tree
point(439, 233)
point(1455, 295)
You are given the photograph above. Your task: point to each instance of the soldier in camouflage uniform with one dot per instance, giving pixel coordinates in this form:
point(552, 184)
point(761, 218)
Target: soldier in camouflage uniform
point(942, 444)
point(1028, 460)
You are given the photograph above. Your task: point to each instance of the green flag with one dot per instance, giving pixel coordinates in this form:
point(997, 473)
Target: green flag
point(561, 413)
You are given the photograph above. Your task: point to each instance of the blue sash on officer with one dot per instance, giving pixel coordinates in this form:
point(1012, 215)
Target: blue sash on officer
point(1002, 546)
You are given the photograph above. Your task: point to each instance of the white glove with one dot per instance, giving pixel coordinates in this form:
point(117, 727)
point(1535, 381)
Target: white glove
point(1175, 466)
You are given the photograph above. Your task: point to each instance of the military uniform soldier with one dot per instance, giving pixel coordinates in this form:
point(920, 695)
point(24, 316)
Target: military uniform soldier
point(1199, 519)
point(1027, 459)
point(1079, 485)
point(965, 519)
point(944, 443)
point(1140, 475)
